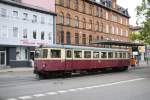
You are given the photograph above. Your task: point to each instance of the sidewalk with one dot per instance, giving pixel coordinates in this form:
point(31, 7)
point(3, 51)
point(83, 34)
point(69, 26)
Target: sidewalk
point(141, 65)
point(22, 69)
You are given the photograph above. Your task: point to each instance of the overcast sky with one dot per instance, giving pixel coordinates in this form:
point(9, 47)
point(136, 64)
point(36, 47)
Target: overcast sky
point(131, 5)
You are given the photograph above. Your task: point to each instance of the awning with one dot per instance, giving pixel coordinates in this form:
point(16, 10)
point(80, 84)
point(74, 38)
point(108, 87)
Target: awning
point(117, 43)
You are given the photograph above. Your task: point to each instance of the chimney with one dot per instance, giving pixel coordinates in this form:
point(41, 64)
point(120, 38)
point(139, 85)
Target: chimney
point(114, 4)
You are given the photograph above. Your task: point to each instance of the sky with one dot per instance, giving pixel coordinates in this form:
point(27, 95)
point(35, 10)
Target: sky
point(131, 5)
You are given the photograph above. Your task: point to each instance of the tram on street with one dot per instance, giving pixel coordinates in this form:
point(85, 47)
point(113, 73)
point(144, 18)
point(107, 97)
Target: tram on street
point(66, 59)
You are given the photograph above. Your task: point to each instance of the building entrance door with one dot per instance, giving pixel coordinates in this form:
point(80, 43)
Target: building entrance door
point(2, 58)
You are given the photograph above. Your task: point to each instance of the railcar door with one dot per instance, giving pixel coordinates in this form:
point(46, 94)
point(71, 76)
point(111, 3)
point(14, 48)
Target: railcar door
point(68, 59)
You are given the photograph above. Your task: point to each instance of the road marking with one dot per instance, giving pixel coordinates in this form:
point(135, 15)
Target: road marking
point(62, 91)
point(39, 95)
point(25, 97)
point(11, 99)
point(51, 93)
point(76, 89)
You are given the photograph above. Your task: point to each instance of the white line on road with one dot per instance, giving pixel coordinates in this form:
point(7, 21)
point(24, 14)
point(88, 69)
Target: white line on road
point(51, 93)
point(39, 95)
point(11, 99)
point(77, 89)
point(25, 97)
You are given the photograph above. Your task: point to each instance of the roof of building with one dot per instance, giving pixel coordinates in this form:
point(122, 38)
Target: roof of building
point(106, 3)
point(27, 6)
point(118, 43)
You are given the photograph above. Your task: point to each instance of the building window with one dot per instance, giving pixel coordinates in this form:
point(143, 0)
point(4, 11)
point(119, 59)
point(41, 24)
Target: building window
point(84, 6)
point(90, 39)
point(76, 23)
point(76, 4)
point(61, 2)
point(117, 30)
point(68, 38)
point(62, 37)
point(42, 20)
point(121, 32)
point(49, 36)
point(113, 30)
point(61, 18)
point(25, 16)
point(120, 20)
point(83, 39)
point(106, 15)
point(25, 32)
point(90, 24)
point(107, 28)
point(101, 27)
point(76, 38)
point(68, 19)
point(34, 19)
point(34, 34)
point(15, 14)
point(68, 3)
point(42, 35)
point(90, 9)
point(3, 12)
point(15, 31)
point(84, 23)
point(97, 11)
point(3, 31)
point(97, 26)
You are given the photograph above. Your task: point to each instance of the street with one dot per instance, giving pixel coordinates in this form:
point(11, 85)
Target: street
point(129, 85)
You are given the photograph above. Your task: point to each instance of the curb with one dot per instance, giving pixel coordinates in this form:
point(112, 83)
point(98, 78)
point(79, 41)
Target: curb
point(16, 70)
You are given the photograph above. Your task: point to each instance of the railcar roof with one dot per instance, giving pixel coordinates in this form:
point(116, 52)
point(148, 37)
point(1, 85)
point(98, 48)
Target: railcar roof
point(83, 48)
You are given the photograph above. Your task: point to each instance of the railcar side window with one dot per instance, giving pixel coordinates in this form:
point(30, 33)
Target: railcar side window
point(110, 54)
point(120, 55)
point(103, 55)
point(87, 54)
point(124, 55)
point(95, 54)
point(45, 53)
point(55, 53)
point(78, 54)
point(68, 53)
point(37, 53)
point(116, 55)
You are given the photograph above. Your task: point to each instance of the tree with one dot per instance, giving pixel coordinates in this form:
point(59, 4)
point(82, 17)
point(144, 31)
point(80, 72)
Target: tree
point(143, 12)
point(135, 36)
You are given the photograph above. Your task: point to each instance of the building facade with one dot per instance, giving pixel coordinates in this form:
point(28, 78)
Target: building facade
point(22, 28)
point(79, 22)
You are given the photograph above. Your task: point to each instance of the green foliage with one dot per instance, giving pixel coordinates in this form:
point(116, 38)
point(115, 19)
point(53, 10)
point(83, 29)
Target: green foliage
point(135, 36)
point(144, 11)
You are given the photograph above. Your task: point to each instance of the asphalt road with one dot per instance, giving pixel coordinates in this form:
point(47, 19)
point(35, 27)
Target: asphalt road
point(129, 85)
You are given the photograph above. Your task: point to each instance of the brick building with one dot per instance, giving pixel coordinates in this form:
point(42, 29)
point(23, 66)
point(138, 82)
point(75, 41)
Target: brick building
point(79, 22)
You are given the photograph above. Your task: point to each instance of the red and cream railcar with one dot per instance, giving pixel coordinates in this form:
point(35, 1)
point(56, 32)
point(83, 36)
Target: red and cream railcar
point(68, 59)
